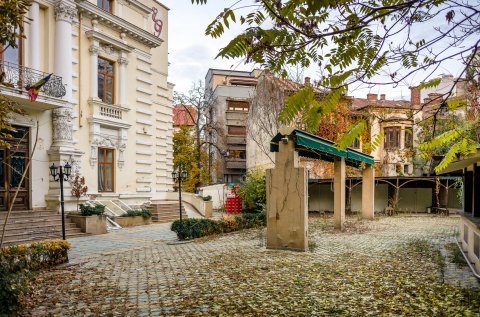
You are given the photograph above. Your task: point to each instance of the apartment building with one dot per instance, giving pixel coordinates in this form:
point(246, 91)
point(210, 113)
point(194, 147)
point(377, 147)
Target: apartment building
point(106, 110)
point(232, 92)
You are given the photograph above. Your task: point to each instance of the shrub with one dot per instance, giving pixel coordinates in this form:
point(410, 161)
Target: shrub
point(138, 212)
point(196, 228)
point(253, 191)
point(207, 198)
point(17, 263)
point(87, 210)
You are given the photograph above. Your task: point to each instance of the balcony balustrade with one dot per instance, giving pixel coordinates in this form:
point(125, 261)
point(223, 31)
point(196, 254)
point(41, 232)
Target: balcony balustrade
point(21, 77)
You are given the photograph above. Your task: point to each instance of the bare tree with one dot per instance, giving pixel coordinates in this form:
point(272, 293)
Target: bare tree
point(199, 105)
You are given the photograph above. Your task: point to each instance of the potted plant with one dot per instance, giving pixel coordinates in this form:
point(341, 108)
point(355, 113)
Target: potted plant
point(132, 218)
point(91, 219)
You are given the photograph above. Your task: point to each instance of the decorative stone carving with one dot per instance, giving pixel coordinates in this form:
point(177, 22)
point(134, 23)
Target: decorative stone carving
point(123, 61)
point(107, 141)
point(62, 125)
point(121, 146)
point(93, 49)
point(108, 49)
point(64, 11)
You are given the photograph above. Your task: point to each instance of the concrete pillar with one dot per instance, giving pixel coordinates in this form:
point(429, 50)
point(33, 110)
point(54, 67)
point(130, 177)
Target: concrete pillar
point(368, 192)
point(339, 192)
point(34, 37)
point(468, 191)
point(65, 12)
point(476, 191)
point(287, 201)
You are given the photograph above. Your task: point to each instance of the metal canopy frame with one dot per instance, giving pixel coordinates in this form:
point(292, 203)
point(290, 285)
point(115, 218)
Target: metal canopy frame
point(315, 147)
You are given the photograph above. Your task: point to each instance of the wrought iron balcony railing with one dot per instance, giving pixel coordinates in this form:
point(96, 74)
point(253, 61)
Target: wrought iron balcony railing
point(20, 77)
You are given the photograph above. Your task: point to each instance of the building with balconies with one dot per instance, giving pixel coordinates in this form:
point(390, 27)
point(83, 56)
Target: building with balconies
point(107, 108)
point(232, 92)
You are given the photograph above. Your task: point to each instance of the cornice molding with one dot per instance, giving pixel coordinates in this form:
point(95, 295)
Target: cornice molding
point(138, 5)
point(104, 38)
point(119, 24)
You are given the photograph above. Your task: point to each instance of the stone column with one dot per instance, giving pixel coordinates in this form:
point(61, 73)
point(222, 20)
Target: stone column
point(368, 192)
point(34, 37)
point(339, 192)
point(287, 201)
point(93, 71)
point(65, 12)
point(122, 65)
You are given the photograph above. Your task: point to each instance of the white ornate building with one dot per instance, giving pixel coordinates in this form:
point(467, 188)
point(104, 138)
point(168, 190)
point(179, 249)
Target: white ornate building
point(107, 107)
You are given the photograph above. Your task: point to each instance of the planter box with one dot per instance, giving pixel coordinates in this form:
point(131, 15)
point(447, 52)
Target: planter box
point(133, 221)
point(90, 224)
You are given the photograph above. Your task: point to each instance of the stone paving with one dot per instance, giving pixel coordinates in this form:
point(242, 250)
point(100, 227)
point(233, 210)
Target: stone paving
point(142, 271)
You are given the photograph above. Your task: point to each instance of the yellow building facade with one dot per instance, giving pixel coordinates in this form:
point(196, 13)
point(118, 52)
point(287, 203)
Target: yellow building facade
point(107, 108)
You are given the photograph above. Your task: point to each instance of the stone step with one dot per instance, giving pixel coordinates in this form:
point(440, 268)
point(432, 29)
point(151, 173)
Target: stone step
point(25, 226)
point(39, 238)
point(49, 232)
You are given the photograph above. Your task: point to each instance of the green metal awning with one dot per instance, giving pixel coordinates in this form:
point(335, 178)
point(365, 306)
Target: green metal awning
point(312, 146)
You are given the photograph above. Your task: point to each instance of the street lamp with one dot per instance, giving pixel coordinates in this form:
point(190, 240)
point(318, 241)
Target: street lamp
point(180, 175)
point(61, 173)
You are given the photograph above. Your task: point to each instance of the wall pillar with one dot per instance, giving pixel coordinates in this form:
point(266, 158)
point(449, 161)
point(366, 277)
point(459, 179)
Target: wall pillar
point(339, 192)
point(122, 66)
point(65, 12)
point(368, 192)
point(287, 201)
point(34, 37)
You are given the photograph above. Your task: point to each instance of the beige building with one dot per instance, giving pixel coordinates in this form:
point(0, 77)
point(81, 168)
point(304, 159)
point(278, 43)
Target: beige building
point(232, 92)
point(107, 108)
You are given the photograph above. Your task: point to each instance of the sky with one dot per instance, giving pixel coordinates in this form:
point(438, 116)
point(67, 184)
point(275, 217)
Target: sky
point(192, 53)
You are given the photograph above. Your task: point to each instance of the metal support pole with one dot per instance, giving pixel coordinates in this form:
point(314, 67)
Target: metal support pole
point(62, 203)
point(180, 192)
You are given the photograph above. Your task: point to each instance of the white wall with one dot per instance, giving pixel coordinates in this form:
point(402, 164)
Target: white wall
point(411, 199)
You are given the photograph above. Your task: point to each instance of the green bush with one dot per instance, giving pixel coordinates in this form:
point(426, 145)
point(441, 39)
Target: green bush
point(253, 191)
point(138, 212)
point(207, 198)
point(87, 210)
point(196, 228)
point(17, 264)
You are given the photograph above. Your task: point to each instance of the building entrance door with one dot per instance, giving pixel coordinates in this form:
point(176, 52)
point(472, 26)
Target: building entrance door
point(13, 161)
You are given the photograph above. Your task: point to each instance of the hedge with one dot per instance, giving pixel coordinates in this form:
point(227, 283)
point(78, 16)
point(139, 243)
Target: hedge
point(138, 212)
point(17, 263)
point(195, 228)
point(87, 210)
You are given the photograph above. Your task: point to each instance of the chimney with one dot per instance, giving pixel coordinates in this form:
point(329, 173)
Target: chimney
point(382, 97)
point(307, 81)
point(372, 97)
point(415, 96)
point(267, 71)
point(435, 98)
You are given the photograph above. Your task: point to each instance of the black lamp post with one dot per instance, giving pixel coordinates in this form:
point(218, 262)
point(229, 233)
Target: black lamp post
point(61, 173)
point(180, 175)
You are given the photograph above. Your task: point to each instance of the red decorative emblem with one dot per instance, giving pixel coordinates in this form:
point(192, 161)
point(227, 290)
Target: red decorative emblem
point(158, 24)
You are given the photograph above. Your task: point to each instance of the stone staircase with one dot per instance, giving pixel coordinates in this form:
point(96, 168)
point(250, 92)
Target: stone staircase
point(27, 226)
point(166, 211)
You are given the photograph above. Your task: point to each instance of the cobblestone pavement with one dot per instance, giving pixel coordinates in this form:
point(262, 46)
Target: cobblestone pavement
point(142, 271)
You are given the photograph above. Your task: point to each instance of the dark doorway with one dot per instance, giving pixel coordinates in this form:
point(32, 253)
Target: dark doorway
point(13, 161)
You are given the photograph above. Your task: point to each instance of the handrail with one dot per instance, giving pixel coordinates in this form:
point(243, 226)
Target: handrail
point(468, 261)
point(20, 77)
